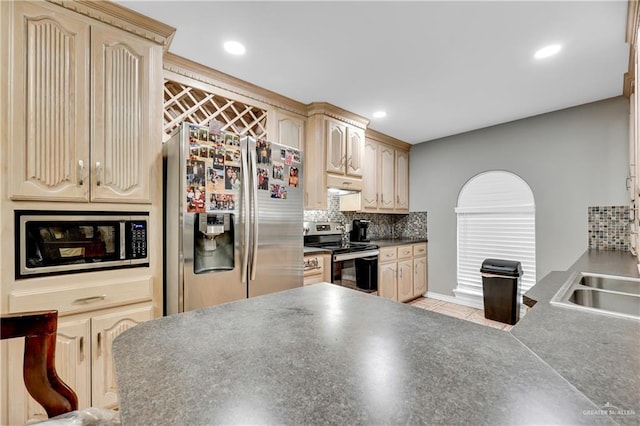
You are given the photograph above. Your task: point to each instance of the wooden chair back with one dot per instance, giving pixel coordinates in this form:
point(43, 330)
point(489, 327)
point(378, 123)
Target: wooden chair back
point(39, 373)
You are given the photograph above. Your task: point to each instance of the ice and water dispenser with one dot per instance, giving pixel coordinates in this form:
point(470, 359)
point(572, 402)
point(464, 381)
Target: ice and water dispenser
point(214, 242)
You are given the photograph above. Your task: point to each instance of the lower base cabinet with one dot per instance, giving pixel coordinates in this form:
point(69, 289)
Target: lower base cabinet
point(83, 359)
point(402, 272)
point(388, 280)
point(317, 269)
point(405, 280)
point(419, 276)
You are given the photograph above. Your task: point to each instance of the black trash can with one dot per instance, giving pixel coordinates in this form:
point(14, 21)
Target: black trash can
point(500, 285)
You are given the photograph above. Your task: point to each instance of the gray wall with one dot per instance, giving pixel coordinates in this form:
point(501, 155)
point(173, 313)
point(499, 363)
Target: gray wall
point(571, 159)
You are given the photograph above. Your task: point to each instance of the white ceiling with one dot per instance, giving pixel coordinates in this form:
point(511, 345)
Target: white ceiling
point(437, 67)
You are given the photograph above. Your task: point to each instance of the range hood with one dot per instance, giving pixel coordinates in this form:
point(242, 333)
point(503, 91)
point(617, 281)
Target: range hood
point(342, 191)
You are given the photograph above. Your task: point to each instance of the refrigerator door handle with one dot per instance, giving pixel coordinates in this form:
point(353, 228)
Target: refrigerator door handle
point(247, 210)
point(254, 218)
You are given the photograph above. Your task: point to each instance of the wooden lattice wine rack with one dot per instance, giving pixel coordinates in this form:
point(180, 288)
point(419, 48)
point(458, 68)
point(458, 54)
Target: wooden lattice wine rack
point(196, 106)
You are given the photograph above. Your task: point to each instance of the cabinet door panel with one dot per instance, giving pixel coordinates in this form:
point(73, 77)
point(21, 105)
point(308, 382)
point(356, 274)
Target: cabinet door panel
point(355, 151)
point(419, 276)
point(49, 95)
point(104, 330)
point(405, 280)
point(370, 176)
point(402, 180)
point(124, 79)
point(387, 177)
point(315, 178)
point(387, 281)
point(291, 132)
point(336, 141)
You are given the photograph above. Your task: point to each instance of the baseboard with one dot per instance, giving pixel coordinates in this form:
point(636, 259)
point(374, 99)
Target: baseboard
point(453, 299)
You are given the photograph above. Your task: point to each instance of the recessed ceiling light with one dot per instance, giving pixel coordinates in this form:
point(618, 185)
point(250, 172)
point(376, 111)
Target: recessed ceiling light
point(547, 51)
point(234, 47)
point(379, 114)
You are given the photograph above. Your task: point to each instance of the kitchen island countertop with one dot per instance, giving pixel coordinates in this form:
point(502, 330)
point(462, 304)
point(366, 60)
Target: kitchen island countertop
point(306, 356)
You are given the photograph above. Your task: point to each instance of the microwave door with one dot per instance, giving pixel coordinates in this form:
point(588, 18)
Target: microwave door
point(66, 242)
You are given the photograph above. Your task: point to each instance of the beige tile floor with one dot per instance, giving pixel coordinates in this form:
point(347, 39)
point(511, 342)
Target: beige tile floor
point(458, 311)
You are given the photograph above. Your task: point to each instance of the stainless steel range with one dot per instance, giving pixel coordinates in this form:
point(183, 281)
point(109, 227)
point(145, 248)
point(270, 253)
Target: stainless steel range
point(353, 265)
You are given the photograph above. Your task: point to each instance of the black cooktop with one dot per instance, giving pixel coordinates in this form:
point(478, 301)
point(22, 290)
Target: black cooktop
point(343, 247)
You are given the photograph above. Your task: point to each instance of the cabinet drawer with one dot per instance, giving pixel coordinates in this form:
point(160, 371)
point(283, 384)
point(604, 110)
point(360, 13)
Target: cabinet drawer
point(387, 254)
point(80, 299)
point(405, 252)
point(420, 249)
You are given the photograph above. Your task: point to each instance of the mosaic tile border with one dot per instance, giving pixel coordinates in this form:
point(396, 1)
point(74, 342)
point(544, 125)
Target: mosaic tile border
point(382, 226)
point(609, 227)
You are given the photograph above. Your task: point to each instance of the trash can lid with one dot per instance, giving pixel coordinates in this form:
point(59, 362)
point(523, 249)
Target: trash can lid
point(509, 268)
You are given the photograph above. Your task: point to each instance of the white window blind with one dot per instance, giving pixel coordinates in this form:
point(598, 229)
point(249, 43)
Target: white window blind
point(496, 219)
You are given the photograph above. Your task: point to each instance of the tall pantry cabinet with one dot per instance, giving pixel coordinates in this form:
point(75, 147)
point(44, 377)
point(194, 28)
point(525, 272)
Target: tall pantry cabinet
point(81, 102)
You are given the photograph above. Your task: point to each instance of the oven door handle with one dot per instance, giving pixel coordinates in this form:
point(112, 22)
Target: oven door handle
point(354, 255)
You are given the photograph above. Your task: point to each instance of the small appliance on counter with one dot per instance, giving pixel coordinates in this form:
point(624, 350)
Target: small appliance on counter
point(359, 231)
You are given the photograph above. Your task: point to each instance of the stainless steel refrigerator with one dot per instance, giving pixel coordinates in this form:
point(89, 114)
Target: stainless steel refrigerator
point(233, 218)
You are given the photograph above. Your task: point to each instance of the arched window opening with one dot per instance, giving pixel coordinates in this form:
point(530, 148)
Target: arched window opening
point(496, 219)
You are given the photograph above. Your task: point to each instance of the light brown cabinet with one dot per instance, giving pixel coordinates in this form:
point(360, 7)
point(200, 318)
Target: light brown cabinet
point(385, 187)
point(402, 272)
point(83, 360)
point(317, 268)
point(84, 126)
point(334, 153)
point(90, 317)
point(419, 276)
point(402, 181)
point(286, 128)
point(388, 280)
point(345, 149)
point(86, 104)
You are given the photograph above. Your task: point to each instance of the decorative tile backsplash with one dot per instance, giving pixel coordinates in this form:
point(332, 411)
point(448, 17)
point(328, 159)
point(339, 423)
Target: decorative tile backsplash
point(382, 226)
point(609, 227)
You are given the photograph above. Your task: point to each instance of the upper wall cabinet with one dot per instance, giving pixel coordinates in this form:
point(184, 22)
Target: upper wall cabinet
point(345, 150)
point(87, 108)
point(402, 180)
point(287, 128)
point(344, 146)
point(334, 152)
point(385, 187)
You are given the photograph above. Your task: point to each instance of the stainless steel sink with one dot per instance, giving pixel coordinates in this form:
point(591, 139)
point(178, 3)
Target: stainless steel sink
point(603, 294)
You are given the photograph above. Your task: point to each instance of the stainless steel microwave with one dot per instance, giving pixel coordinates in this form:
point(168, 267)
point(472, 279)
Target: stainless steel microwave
point(63, 242)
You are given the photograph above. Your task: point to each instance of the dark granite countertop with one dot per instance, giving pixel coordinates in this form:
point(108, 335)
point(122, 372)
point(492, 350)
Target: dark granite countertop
point(324, 354)
point(312, 250)
point(388, 242)
point(598, 354)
